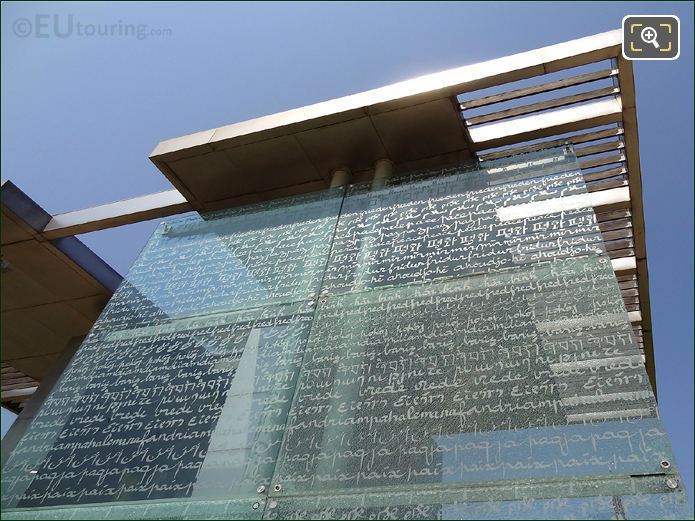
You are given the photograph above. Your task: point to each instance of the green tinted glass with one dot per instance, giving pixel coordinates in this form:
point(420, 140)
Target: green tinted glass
point(446, 344)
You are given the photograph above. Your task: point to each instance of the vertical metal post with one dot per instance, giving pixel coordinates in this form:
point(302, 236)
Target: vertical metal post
point(383, 169)
point(340, 177)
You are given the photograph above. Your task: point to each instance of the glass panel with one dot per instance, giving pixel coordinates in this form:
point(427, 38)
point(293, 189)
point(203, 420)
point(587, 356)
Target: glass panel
point(455, 345)
point(254, 256)
point(193, 412)
point(233, 509)
point(452, 225)
point(472, 330)
point(657, 506)
point(457, 381)
point(597, 499)
point(182, 388)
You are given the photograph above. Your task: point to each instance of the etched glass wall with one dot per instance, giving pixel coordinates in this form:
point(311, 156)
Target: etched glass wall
point(449, 344)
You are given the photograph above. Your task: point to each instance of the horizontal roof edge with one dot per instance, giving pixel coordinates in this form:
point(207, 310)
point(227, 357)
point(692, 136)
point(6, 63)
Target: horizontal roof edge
point(35, 217)
point(449, 82)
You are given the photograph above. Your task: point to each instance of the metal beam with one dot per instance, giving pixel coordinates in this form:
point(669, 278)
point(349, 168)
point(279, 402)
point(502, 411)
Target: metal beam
point(575, 139)
point(604, 174)
point(624, 265)
point(629, 117)
point(600, 201)
point(601, 161)
point(542, 106)
point(599, 149)
point(15, 393)
point(538, 89)
point(129, 211)
point(547, 124)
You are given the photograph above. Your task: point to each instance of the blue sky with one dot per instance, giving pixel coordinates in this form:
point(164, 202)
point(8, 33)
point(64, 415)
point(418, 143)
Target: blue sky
point(81, 114)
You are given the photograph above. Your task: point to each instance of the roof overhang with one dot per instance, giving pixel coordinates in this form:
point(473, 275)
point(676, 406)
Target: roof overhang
point(415, 123)
point(52, 291)
point(425, 122)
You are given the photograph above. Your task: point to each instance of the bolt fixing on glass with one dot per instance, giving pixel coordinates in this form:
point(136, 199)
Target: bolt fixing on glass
point(672, 483)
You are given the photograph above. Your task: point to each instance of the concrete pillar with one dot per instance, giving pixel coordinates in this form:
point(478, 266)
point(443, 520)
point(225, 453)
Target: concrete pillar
point(340, 177)
point(383, 169)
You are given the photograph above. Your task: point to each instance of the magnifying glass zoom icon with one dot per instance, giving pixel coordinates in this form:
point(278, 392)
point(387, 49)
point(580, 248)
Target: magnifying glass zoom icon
point(648, 36)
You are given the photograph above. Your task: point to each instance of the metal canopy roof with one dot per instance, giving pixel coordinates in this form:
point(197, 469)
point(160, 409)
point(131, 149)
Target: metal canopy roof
point(581, 91)
point(415, 123)
point(52, 291)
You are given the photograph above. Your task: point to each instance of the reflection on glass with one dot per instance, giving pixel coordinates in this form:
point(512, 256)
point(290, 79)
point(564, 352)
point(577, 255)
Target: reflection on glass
point(183, 386)
point(448, 344)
